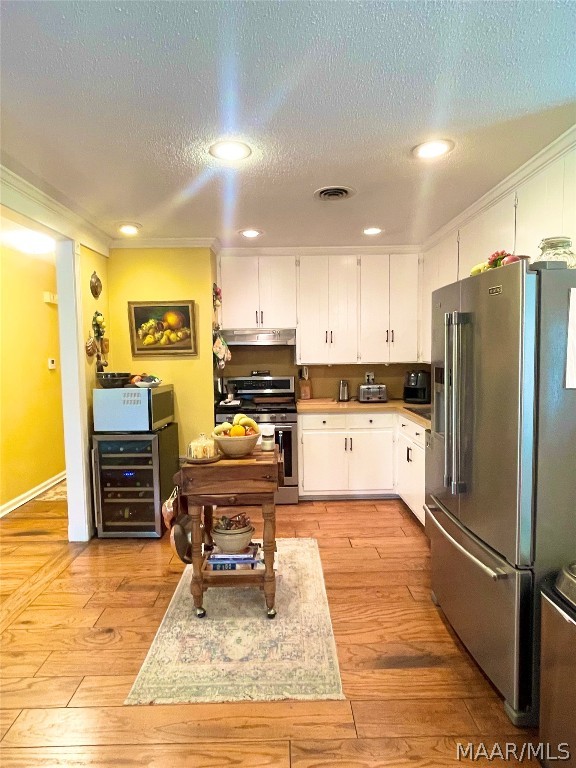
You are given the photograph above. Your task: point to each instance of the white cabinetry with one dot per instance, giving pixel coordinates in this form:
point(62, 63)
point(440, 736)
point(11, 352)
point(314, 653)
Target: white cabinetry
point(328, 310)
point(388, 308)
point(346, 454)
point(547, 205)
point(410, 476)
point(440, 267)
point(492, 230)
point(258, 291)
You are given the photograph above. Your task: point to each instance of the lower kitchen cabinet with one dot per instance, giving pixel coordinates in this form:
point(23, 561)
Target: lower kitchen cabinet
point(410, 476)
point(350, 454)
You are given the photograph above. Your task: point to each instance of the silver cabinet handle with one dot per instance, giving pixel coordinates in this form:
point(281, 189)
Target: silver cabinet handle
point(331, 338)
point(256, 317)
point(350, 444)
point(495, 573)
point(326, 338)
point(392, 334)
point(345, 443)
point(387, 334)
point(262, 318)
point(409, 454)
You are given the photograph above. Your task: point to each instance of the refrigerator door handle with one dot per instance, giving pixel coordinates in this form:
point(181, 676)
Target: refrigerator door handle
point(494, 573)
point(458, 319)
point(447, 400)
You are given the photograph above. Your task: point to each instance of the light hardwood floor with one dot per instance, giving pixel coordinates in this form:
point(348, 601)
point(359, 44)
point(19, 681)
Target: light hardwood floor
point(76, 621)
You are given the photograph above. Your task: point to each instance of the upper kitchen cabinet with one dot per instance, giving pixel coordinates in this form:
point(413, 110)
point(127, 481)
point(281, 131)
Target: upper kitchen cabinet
point(547, 205)
point(491, 230)
point(327, 328)
point(258, 291)
point(440, 267)
point(388, 308)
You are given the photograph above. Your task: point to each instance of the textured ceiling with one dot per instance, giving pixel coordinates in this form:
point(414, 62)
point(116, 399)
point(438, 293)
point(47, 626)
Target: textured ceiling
point(109, 107)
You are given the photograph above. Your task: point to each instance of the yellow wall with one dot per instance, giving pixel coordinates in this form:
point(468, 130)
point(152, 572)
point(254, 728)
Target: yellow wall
point(90, 262)
point(32, 437)
point(167, 274)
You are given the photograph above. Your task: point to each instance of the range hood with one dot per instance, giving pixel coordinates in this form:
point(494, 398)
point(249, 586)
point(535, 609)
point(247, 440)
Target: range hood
point(264, 337)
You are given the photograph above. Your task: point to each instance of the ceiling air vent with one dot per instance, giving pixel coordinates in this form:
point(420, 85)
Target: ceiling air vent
point(334, 193)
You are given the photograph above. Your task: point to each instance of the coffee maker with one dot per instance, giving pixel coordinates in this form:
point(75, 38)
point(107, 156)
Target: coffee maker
point(417, 387)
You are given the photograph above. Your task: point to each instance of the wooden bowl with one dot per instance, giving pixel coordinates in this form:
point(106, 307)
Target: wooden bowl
point(235, 447)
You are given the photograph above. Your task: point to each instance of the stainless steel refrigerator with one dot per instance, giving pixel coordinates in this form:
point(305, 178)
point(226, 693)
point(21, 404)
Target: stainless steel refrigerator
point(501, 465)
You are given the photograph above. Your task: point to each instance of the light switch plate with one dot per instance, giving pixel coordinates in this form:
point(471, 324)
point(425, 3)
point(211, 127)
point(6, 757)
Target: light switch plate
point(51, 363)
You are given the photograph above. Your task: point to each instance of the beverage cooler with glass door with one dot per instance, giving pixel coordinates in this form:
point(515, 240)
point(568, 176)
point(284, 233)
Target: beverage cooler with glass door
point(134, 460)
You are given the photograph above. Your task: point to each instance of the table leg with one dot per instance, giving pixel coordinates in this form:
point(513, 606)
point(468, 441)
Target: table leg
point(269, 547)
point(196, 585)
point(208, 543)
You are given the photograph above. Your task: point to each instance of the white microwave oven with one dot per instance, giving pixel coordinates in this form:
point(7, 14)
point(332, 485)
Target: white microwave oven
point(133, 409)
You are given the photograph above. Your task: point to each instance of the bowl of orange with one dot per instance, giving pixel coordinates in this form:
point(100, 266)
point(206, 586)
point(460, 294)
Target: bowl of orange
point(235, 445)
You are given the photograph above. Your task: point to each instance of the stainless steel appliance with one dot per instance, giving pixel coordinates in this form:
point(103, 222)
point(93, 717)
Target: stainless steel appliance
point(501, 465)
point(558, 668)
point(260, 337)
point(369, 393)
point(417, 387)
point(131, 478)
point(343, 391)
point(268, 400)
point(133, 409)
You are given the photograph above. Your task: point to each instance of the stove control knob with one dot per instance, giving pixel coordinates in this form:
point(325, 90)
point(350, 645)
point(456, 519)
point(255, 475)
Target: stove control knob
point(282, 417)
point(272, 417)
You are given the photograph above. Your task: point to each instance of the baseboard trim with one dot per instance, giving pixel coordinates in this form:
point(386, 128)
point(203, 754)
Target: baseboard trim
point(347, 497)
point(31, 494)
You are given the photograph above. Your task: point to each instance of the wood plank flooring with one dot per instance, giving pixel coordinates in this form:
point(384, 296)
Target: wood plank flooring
point(77, 620)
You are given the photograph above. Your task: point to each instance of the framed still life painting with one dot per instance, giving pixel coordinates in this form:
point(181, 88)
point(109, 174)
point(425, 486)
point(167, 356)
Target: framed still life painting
point(159, 328)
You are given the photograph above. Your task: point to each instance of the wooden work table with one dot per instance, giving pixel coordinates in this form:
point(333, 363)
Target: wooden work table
point(247, 481)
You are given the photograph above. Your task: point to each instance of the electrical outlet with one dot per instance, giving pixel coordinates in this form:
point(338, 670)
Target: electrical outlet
point(369, 377)
point(51, 364)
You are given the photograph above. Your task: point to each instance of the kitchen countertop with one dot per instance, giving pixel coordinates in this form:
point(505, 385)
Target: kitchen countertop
point(329, 405)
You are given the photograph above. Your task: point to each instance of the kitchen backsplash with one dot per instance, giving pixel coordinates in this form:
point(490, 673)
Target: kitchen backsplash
point(325, 378)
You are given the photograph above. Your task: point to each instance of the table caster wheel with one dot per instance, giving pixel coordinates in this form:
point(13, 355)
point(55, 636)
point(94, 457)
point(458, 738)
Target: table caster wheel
point(200, 612)
point(271, 613)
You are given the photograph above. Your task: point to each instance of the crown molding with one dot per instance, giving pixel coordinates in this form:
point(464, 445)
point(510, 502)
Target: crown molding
point(167, 242)
point(351, 250)
point(560, 146)
point(20, 196)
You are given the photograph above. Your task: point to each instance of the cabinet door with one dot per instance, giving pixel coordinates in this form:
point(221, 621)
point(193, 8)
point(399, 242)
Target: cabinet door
point(492, 230)
point(324, 461)
point(374, 332)
point(239, 283)
point(403, 474)
point(429, 284)
point(343, 309)
point(277, 283)
point(418, 482)
point(403, 308)
point(370, 460)
point(313, 331)
point(540, 207)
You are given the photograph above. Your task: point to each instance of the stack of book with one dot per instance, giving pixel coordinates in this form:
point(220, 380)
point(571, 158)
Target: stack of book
point(249, 559)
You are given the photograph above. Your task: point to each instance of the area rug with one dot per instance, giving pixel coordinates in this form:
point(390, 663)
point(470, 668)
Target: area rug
point(58, 492)
point(236, 653)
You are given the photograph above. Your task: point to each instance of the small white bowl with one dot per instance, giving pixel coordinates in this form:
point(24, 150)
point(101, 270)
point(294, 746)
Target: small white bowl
point(233, 540)
point(148, 384)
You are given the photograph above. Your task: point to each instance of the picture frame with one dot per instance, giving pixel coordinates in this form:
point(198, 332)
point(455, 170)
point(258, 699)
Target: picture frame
point(162, 328)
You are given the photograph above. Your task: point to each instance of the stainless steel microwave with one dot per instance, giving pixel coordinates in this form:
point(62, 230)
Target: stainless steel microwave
point(133, 409)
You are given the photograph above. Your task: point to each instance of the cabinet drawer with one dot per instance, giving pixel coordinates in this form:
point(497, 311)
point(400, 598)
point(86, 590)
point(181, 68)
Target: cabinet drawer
point(324, 421)
point(412, 430)
point(369, 420)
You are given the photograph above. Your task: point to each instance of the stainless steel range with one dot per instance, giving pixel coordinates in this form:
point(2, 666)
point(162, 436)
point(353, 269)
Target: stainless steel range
point(268, 400)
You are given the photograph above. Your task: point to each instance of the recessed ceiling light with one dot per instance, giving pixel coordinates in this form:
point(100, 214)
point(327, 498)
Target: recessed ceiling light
point(432, 149)
point(372, 231)
point(28, 241)
point(230, 150)
point(130, 228)
point(250, 232)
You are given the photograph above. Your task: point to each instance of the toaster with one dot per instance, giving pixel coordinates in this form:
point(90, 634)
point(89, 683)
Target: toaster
point(368, 393)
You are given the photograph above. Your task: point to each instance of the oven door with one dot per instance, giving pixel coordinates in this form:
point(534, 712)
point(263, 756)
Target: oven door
point(285, 437)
